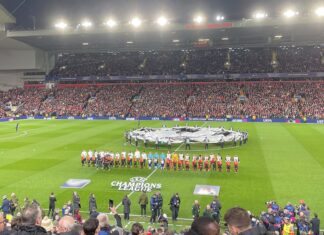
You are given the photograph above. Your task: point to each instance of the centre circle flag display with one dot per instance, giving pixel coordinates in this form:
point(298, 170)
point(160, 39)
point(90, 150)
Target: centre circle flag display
point(136, 184)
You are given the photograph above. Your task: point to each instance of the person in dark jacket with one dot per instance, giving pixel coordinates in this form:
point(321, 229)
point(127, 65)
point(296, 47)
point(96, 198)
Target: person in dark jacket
point(204, 226)
point(76, 202)
point(238, 222)
point(315, 222)
point(126, 203)
point(175, 206)
point(51, 207)
point(92, 202)
point(160, 203)
point(216, 206)
point(31, 220)
point(208, 212)
point(5, 205)
point(154, 208)
point(94, 214)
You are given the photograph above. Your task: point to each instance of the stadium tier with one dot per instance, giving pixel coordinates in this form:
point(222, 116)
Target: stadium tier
point(209, 61)
point(267, 99)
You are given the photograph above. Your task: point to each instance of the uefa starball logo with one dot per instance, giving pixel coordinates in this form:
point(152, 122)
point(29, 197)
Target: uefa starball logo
point(136, 184)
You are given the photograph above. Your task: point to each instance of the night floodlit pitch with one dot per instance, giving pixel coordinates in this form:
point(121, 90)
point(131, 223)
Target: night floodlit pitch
point(282, 162)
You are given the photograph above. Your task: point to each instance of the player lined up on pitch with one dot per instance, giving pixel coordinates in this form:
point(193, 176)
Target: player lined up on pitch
point(170, 161)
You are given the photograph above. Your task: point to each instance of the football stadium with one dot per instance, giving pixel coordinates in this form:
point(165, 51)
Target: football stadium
point(161, 117)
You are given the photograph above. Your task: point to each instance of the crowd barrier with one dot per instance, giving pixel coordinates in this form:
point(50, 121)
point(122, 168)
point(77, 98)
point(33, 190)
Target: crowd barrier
point(265, 120)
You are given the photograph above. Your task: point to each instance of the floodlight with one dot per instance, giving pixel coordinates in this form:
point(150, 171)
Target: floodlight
point(136, 22)
point(260, 15)
point(225, 39)
point(199, 19)
point(86, 24)
point(162, 21)
point(319, 11)
point(111, 23)
point(278, 36)
point(290, 13)
point(220, 18)
point(175, 40)
point(61, 25)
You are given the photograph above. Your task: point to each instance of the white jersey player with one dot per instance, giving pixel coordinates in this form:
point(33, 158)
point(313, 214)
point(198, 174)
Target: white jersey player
point(137, 154)
point(228, 163)
point(168, 156)
point(90, 154)
point(236, 163)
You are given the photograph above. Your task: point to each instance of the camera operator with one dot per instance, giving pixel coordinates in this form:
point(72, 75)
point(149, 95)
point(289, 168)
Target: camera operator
point(154, 208)
point(160, 204)
point(175, 206)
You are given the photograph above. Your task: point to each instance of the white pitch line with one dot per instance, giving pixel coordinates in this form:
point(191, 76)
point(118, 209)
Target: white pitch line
point(127, 224)
point(15, 136)
point(131, 193)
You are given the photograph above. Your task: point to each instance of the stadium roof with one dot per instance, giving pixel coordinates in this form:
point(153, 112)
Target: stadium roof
point(227, 34)
point(42, 13)
point(6, 17)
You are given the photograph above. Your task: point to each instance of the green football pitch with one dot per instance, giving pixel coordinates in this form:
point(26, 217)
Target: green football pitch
point(282, 162)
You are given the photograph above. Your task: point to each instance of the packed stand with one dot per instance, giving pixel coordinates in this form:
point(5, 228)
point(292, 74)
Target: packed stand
point(162, 101)
point(112, 101)
point(266, 99)
point(66, 102)
point(195, 61)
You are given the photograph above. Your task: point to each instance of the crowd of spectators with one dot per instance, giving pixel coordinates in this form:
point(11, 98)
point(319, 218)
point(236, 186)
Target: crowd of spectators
point(30, 219)
point(66, 101)
point(198, 61)
point(266, 99)
point(112, 101)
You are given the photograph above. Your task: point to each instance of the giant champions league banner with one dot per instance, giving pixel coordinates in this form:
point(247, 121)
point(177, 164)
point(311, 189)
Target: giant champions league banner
point(136, 184)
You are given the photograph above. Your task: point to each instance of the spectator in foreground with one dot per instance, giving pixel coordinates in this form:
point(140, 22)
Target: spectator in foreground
point(65, 225)
point(137, 229)
point(31, 221)
point(239, 222)
point(105, 228)
point(3, 227)
point(204, 226)
point(91, 227)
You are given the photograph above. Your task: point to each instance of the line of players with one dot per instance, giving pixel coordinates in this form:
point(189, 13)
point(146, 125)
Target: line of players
point(175, 161)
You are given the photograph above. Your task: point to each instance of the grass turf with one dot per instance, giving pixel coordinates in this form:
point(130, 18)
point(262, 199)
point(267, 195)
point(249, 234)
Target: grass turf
point(282, 162)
